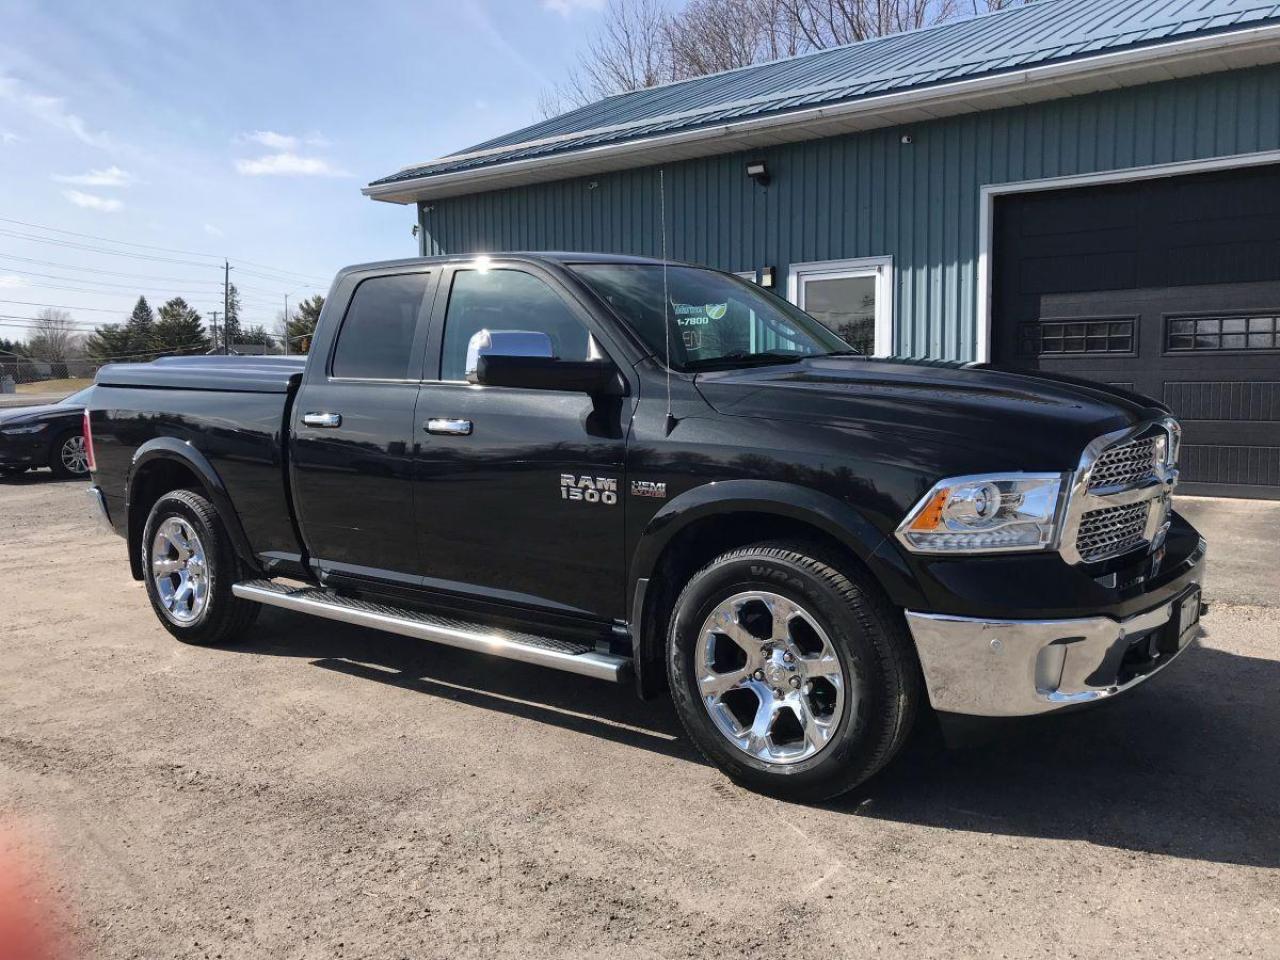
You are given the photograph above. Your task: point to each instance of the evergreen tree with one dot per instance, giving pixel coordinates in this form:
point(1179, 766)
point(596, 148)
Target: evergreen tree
point(257, 335)
point(302, 325)
point(179, 330)
point(141, 329)
point(109, 344)
point(231, 332)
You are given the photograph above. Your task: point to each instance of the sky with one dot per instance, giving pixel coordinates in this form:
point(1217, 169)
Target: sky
point(185, 132)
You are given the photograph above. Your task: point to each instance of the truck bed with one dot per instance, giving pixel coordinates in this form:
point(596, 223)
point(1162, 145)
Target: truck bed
point(234, 412)
point(221, 373)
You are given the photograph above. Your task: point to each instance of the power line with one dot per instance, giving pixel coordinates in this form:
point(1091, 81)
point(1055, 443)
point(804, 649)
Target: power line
point(118, 273)
point(116, 290)
point(147, 246)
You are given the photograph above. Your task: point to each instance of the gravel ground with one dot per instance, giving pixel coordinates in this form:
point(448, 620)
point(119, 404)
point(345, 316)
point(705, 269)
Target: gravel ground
point(325, 791)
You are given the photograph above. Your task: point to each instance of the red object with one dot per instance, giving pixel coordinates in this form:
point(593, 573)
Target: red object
point(88, 443)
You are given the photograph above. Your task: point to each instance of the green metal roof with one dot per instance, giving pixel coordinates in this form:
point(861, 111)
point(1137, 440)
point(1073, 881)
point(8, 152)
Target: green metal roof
point(1012, 40)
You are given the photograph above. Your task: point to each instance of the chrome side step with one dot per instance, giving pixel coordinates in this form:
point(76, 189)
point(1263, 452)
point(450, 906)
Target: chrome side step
point(544, 651)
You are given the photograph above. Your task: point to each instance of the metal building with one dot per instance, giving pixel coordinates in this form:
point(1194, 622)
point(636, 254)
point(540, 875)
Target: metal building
point(1088, 186)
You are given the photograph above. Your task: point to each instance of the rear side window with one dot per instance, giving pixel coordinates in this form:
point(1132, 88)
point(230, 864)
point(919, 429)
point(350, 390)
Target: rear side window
point(507, 300)
point(377, 333)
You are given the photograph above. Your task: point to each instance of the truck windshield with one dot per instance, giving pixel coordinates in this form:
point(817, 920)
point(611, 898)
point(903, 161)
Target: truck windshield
point(716, 320)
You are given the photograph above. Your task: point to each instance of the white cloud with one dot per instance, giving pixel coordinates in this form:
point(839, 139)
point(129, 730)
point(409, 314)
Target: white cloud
point(567, 8)
point(282, 142)
point(92, 201)
point(271, 140)
point(10, 280)
point(213, 231)
point(288, 164)
point(7, 136)
point(50, 110)
point(110, 177)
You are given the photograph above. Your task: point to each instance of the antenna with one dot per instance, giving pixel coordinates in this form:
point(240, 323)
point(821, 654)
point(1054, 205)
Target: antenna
point(666, 299)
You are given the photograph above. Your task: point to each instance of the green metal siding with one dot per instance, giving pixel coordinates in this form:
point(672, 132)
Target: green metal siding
point(869, 194)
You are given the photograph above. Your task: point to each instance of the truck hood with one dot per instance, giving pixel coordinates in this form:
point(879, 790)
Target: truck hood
point(1039, 420)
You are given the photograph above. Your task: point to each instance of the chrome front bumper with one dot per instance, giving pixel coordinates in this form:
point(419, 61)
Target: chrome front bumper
point(1010, 668)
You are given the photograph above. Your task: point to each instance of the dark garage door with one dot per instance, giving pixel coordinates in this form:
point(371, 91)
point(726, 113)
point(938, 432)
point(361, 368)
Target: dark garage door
point(1169, 287)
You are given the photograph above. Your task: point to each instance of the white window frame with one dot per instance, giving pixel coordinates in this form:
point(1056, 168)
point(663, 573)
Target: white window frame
point(880, 268)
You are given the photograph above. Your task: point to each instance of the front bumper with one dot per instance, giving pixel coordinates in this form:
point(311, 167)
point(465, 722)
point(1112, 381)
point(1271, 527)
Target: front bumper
point(1009, 668)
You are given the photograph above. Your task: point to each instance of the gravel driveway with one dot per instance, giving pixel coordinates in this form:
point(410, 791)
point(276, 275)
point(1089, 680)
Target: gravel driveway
point(325, 791)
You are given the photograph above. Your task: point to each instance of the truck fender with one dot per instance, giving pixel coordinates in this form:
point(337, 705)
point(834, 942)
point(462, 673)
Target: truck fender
point(839, 520)
point(171, 448)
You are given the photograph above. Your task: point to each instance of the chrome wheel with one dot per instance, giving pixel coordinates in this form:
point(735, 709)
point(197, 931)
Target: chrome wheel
point(179, 571)
point(74, 456)
point(769, 677)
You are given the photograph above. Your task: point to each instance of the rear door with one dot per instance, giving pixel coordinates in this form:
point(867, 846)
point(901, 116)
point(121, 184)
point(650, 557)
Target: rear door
point(519, 491)
point(353, 431)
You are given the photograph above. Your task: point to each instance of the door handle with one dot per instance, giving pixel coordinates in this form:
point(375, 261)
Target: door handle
point(322, 419)
point(447, 427)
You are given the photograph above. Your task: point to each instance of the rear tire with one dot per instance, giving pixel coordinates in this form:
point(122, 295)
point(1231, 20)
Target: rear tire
point(791, 671)
point(68, 457)
point(189, 566)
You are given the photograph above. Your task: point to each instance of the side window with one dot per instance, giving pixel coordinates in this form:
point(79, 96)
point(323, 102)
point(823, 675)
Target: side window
point(377, 333)
point(507, 300)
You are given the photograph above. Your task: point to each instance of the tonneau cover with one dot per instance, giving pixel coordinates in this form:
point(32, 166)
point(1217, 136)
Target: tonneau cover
point(222, 373)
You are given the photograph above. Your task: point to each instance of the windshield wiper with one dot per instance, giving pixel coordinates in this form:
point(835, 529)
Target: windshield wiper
point(742, 358)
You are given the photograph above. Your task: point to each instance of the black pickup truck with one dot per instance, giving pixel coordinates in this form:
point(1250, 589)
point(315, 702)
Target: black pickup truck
point(662, 474)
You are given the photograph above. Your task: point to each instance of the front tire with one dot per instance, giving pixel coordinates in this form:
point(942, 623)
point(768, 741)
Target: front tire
point(189, 567)
point(791, 671)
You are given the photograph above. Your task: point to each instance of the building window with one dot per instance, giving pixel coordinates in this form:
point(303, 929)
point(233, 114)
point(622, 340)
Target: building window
point(1066, 337)
point(1188, 334)
point(852, 298)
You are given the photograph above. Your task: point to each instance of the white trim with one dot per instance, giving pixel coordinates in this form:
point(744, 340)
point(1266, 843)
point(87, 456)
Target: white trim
point(1131, 66)
point(881, 268)
point(989, 192)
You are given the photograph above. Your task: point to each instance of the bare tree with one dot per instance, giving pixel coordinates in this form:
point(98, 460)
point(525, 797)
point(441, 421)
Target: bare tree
point(641, 44)
point(709, 36)
point(628, 52)
point(55, 339)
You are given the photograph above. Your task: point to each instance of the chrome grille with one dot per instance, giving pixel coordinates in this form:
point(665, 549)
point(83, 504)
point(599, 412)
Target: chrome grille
point(1112, 531)
point(1128, 464)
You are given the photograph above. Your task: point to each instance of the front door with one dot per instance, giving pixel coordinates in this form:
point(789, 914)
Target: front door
point(519, 492)
point(353, 432)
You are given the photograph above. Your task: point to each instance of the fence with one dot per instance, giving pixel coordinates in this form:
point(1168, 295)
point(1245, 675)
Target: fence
point(18, 372)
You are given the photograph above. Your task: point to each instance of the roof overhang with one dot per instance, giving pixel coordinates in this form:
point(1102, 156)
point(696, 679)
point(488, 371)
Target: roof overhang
point(1194, 56)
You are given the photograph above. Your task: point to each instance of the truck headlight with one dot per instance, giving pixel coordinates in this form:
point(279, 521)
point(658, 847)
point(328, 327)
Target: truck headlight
point(985, 514)
point(20, 429)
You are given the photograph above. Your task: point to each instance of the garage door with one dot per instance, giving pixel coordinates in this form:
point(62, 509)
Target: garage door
point(1169, 287)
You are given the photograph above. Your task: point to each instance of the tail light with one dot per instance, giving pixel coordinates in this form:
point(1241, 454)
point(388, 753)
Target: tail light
point(88, 444)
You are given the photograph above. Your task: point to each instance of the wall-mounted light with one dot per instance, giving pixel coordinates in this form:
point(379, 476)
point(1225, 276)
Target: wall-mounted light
point(758, 172)
point(767, 277)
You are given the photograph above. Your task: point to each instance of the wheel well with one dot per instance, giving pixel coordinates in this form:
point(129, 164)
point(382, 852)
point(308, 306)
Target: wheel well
point(155, 478)
point(696, 545)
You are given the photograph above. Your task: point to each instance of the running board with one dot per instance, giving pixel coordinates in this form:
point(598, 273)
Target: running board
point(528, 648)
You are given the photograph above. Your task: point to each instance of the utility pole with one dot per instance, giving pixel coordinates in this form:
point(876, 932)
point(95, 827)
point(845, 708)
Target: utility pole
point(226, 306)
point(214, 314)
point(286, 324)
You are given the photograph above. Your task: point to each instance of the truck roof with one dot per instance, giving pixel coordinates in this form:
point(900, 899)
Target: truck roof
point(558, 257)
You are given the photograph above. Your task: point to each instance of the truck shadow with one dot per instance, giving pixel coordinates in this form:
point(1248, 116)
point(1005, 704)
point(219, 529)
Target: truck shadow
point(574, 703)
point(1186, 766)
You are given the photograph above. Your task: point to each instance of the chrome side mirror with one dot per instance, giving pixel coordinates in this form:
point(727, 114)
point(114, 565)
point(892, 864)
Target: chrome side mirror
point(506, 343)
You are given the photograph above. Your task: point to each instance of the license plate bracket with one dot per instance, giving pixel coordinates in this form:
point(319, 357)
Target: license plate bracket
point(1188, 617)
